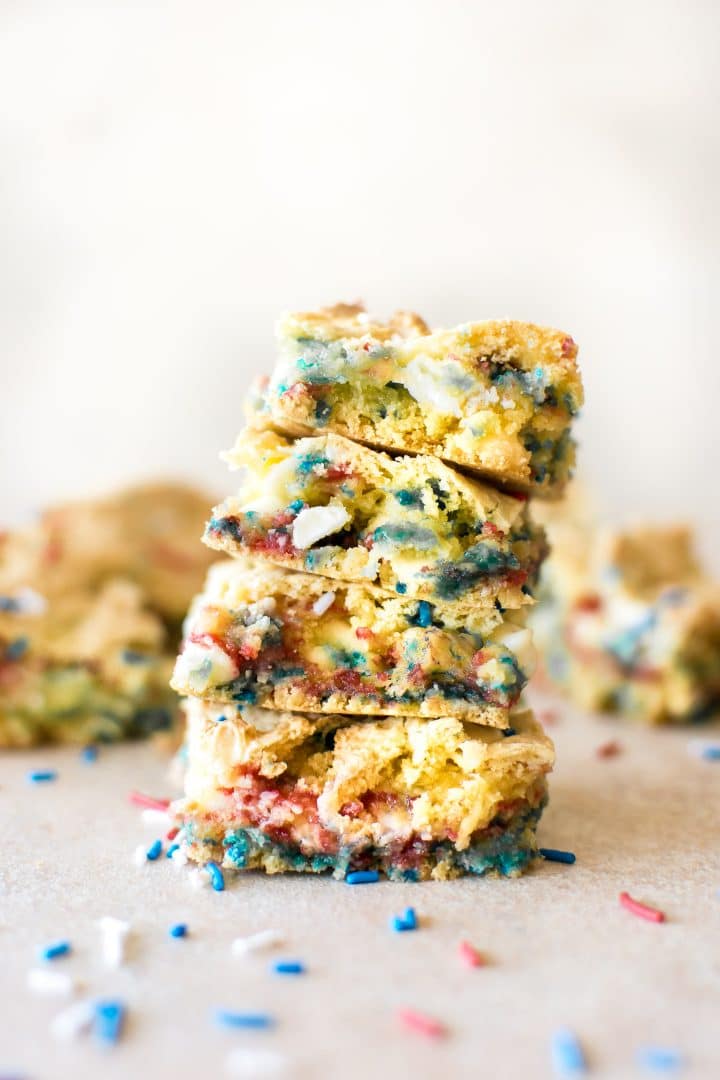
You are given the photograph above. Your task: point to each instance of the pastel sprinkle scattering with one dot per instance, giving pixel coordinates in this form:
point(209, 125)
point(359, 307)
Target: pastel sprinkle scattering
point(554, 855)
point(288, 967)
point(609, 749)
point(178, 931)
point(153, 852)
point(89, 754)
point(567, 1055)
point(228, 1018)
point(73, 1021)
point(148, 802)
point(362, 877)
point(644, 911)
point(407, 921)
point(48, 981)
point(217, 879)
point(421, 1023)
point(113, 944)
point(42, 776)
point(264, 939)
point(108, 1020)
point(659, 1058)
point(255, 1063)
point(52, 952)
point(470, 956)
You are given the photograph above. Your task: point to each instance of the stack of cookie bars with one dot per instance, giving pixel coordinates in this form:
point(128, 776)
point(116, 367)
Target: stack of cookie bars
point(353, 673)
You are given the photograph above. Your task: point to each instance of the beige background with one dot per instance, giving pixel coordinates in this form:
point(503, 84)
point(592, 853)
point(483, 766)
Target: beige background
point(175, 174)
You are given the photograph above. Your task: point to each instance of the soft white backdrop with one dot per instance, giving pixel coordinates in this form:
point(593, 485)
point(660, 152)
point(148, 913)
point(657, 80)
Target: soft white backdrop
point(174, 174)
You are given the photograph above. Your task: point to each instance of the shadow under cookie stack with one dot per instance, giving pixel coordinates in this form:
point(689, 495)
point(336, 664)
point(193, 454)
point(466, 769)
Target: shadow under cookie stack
point(353, 673)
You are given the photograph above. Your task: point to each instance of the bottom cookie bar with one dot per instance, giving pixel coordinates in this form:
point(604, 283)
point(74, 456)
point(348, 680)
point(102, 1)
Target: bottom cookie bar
point(416, 799)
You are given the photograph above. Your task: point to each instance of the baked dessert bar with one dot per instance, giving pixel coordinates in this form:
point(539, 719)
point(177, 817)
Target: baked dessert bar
point(264, 635)
point(413, 798)
point(494, 397)
point(410, 525)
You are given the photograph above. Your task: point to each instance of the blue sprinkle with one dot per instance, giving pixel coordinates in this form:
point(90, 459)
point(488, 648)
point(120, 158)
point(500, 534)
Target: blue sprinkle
point(288, 967)
point(509, 732)
point(296, 506)
point(58, 948)
point(568, 1058)
point(89, 753)
point(108, 1020)
point(220, 719)
point(362, 877)
point(153, 852)
point(179, 930)
point(659, 1058)
point(171, 851)
point(711, 753)
point(226, 1018)
point(424, 614)
point(553, 855)
point(9, 603)
point(401, 923)
point(216, 876)
point(401, 588)
point(41, 776)
point(132, 656)
point(17, 648)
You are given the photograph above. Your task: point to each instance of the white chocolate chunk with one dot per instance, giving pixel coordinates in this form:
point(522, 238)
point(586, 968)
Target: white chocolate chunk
point(202, 666)
point(316, 522)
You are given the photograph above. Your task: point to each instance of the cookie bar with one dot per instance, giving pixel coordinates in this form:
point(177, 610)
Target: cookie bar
point(288, 640)
point(82, 667)
point(148, 534)
point(410, 525)
point(628, 623)
point(494, 397)
point(413, 798)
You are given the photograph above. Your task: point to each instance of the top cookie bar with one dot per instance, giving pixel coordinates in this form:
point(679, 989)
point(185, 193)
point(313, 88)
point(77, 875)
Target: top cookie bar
point(494, 397)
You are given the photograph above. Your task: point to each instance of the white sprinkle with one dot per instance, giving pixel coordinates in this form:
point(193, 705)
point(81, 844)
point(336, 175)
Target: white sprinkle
point(115, 933)
point(264, 939)
point(73, 1021)
point(45, 981)
point(507, 403)
point(179, 857)
point(250, 1063)
point(151, 816)
point(30, 602)
point(139, 856)
point(324, 602)
point(199, 878)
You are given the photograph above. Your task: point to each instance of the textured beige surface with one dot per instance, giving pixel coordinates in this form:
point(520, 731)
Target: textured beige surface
point(562, 950)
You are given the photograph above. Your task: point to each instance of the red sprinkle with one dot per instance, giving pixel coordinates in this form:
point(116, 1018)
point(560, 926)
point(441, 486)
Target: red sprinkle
point(172, 833)
point(645, 912)
point(148, 802)
point(470, 956)
point(609, 749)
point(424, 1025)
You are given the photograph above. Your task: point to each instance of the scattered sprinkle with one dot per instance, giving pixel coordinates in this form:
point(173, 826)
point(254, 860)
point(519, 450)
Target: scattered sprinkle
point(52, 952)
point(644, 911)
point(108, 1020)
point(198, 877)
point(73, 1021)
point(115, 933)
point(659, 1058)
point(711, 753)
point(420, 1022)
point(89, 754)
point(567, 1054)
point(406, 921)
point(323, 603)
point(154, 851)
point(554, 855)
point(42, 776)
point(264, 939)
point(255, 1063)
point(178, 930)
point(147, 801)
point(609, 749)
point(288, 967)
point(50, 981)
point(171, 851)
point(362, 877)
point(230, 1019)
point(470, 956)
point(217, 879)
point(172, 833)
